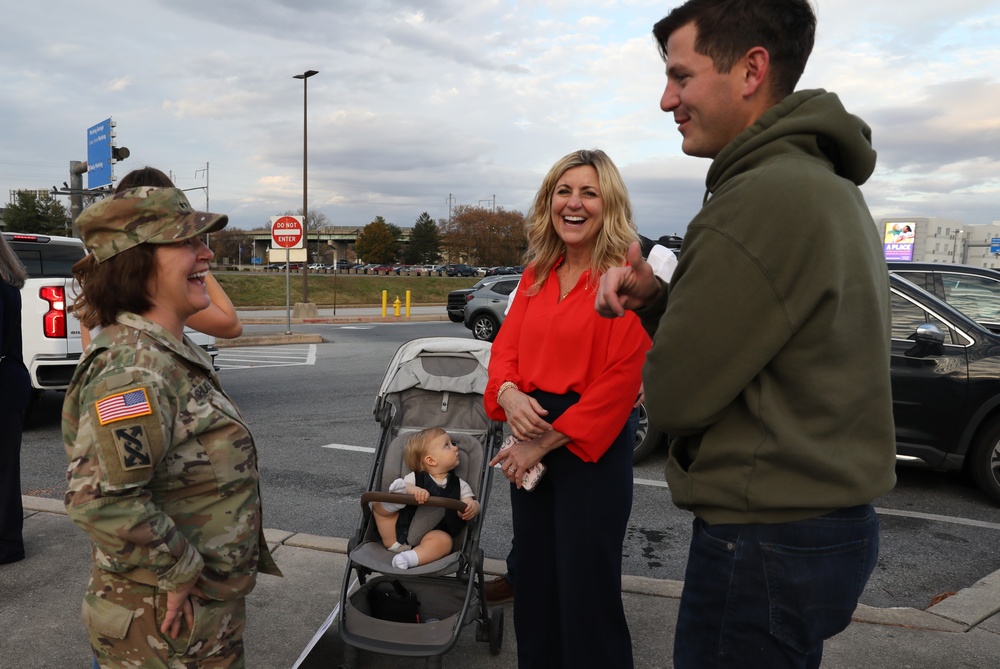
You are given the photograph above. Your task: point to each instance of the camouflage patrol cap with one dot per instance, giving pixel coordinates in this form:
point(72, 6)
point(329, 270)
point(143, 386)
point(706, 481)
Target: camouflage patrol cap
point(143, 216)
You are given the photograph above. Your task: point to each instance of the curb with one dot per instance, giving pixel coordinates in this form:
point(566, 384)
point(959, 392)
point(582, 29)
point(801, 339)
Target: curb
point(270, 340)
point(967, 609)
point(251, 320)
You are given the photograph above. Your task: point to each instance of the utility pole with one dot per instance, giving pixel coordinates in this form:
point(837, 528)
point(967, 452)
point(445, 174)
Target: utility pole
point(208, 237)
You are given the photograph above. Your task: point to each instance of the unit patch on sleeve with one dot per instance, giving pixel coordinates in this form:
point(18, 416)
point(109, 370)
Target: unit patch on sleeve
point(133, 447)
point(123, 405)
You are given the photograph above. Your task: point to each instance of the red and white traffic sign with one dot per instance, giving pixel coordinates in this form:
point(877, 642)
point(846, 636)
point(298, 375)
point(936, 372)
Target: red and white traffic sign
point(286, 231)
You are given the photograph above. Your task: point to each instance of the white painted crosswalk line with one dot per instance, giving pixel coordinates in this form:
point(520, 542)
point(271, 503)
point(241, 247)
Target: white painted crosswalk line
point(266, 356)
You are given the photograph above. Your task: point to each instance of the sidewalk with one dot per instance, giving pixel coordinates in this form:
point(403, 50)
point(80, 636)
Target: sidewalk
point(40, 600)
point(284, 331)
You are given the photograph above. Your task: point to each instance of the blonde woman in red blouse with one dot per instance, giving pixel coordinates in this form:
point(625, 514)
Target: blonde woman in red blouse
point(566, 381)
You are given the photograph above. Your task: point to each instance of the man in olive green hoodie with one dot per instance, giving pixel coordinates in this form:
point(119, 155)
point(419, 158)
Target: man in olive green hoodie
point(770, 360)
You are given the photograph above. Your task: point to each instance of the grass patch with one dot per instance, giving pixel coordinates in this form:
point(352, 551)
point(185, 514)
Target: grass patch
point(253, 289)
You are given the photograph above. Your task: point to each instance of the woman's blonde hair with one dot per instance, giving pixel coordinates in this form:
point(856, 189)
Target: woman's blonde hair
point(544, 245)
point(417, 446)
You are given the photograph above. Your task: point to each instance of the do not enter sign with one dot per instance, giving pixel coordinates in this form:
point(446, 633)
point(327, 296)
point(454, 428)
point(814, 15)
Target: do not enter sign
point(286, 231)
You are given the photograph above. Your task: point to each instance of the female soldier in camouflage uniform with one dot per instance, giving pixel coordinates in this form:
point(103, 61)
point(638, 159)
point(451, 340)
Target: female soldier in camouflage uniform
point(162, 467)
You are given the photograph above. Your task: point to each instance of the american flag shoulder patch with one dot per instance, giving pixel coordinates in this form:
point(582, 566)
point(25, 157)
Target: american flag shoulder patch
point(119, 406)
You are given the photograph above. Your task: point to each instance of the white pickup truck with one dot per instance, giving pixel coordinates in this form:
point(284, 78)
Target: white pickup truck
point(50, 333)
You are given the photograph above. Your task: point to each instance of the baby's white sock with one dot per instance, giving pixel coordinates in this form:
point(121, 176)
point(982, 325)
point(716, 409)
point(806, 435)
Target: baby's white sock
point(399, 486)
point(405, 560)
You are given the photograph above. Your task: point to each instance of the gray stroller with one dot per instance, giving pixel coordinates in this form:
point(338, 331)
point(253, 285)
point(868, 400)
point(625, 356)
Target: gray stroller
point(430, 382)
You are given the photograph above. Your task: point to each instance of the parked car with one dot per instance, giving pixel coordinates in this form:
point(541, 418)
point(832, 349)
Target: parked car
point(975, 291)
point(945, 369)
point(316, 267)
point(945, 387)
point(458, 269)
point(485, 306)
point(50, 333)
point(457, 299)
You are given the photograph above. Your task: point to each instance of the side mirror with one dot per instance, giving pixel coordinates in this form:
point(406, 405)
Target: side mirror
point(928, 340)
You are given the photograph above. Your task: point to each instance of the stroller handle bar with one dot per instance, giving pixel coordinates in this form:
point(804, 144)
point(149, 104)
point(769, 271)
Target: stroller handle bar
point(399, 498)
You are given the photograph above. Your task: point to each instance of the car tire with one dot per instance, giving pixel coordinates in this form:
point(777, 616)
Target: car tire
point(484, 327)
point(984, 461)
point(647, 437)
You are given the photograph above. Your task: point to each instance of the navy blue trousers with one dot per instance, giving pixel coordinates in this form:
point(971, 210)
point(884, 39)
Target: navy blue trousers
point(569, 532)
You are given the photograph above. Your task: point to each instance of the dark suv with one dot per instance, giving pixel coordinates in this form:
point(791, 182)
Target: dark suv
point(975, 291)
point(945, 386)
point(945, 369)
point(460, 270)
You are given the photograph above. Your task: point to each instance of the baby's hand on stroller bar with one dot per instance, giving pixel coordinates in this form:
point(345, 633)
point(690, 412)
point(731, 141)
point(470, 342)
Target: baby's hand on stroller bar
point(471, 509)
point(421, 494)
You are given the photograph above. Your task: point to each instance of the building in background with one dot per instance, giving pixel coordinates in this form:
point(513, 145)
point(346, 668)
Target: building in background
point(944, 240)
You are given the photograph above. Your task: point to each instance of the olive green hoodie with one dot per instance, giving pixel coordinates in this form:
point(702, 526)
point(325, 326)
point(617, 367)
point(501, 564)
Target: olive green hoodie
point(770, 364)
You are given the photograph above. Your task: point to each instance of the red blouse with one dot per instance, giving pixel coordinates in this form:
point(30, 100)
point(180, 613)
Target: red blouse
point(558, 347)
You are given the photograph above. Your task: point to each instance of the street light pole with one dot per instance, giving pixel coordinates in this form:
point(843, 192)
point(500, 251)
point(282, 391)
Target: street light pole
point(305, 179)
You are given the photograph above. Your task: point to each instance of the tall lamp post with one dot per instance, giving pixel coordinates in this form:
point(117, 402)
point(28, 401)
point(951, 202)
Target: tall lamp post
point(305, 178)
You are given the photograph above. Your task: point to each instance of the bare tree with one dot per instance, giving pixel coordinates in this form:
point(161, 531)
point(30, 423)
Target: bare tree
point(480, 236)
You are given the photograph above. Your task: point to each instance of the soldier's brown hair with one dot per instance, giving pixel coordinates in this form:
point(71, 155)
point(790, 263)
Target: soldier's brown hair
point(117, 284)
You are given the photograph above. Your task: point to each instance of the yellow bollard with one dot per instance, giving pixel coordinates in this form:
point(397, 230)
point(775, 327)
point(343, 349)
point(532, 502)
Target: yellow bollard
point(385, 300)
point(407, 304)
point(395, 307)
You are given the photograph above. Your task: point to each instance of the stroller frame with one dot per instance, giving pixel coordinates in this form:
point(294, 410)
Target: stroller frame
point(430, 382)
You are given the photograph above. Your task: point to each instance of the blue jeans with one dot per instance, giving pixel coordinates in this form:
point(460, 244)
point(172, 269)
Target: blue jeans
point(767, 595)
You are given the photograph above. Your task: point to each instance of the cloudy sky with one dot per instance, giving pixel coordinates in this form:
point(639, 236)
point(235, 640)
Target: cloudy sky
point(419, 103)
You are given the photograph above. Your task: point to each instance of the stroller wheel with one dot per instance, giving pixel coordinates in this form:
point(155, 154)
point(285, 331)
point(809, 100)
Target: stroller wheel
point(496, 630)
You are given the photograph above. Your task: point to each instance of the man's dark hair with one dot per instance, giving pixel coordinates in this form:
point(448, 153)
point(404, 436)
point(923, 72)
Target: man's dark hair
point(727, 29)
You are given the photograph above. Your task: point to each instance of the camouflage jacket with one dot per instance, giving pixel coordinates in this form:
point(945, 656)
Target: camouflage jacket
point(162, 467)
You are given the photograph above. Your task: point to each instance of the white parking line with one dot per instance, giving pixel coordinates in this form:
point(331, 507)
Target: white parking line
point(940, 519)
point(348, 447)
point(266, 356)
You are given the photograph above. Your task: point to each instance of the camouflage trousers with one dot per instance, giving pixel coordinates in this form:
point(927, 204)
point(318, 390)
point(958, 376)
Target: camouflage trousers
point(123, 619)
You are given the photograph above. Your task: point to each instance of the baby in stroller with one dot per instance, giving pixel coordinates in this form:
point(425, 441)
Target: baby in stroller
point(431, 456)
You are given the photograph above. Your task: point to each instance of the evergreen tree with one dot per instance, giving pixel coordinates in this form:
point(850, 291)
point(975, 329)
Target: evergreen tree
point(425, 242)
point(42, 215)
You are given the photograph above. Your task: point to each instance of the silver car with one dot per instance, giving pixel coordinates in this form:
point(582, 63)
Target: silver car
point(485, 306)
